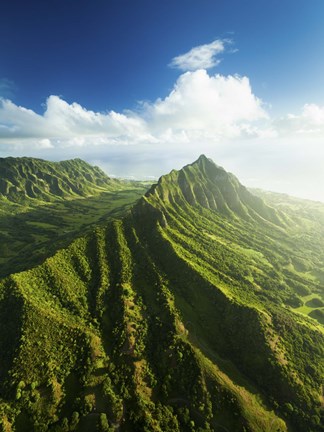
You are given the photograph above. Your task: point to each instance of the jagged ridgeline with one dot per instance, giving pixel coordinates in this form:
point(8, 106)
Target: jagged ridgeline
point(179, 317)
point(29, 178)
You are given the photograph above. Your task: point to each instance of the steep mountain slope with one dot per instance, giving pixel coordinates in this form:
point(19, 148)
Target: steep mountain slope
point(179, 317)
point(28, 178)
point(210, 186)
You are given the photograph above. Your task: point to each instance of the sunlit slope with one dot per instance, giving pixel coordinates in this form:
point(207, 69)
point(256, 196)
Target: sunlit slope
point(178, 317)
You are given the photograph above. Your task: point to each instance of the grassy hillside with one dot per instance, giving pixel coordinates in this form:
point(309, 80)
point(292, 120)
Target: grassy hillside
point(182, 316)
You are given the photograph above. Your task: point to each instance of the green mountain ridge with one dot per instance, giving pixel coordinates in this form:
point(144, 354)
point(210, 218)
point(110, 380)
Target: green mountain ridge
point(184, 315)
point(29, 178)
point(45, 205)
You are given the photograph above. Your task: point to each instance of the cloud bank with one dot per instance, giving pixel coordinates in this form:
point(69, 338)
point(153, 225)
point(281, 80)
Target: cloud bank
point(200, 107)
point(64, 125)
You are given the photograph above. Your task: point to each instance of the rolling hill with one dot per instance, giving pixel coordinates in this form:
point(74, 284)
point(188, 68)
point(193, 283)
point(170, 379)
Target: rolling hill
point(191, 313)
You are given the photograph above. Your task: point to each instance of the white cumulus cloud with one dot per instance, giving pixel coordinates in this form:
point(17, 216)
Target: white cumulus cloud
point(200, 57)
point(203, 105)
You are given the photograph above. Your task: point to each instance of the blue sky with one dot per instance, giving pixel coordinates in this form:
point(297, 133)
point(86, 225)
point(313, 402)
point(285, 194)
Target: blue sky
point(99, 80)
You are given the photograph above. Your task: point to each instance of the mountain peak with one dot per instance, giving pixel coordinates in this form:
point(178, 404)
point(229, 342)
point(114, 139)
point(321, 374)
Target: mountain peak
point(203, 158)
point(206, 184)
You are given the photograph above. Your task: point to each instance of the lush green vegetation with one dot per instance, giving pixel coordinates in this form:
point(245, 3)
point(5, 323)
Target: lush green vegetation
point(188, 314)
